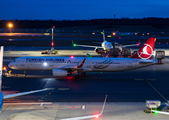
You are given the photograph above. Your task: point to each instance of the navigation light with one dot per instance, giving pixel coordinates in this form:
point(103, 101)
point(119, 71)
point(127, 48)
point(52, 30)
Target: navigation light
point(74, 45)
point(52, 43)
point(71, 56)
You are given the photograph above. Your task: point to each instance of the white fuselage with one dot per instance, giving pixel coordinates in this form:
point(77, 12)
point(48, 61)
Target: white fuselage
point(90, 64)
point(106, 45)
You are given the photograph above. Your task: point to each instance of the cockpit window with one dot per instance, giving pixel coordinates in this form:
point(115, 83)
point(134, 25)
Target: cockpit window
point(15, 61)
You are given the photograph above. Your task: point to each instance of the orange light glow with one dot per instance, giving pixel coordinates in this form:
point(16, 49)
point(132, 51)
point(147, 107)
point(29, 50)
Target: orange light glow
point(10, 25)
point(4, 68)
point(114, 33)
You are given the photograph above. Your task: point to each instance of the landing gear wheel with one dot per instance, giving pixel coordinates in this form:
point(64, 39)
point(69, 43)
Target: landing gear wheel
point(83, 74)
point(69, 72)
point(25, 72)
point(77, 76)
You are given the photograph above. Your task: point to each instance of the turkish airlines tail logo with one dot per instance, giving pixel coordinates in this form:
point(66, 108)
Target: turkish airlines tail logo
point(146, 51)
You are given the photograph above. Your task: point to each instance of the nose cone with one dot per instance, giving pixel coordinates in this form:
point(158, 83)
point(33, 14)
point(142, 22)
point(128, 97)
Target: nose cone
point(10, 65)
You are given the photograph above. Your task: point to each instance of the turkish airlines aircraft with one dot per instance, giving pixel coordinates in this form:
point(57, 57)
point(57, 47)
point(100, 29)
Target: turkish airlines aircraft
point(106, 45)
point(63, 66)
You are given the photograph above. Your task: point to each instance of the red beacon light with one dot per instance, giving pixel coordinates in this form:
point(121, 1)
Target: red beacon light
point(97, 116)
point(71, 56)
point(52, 43)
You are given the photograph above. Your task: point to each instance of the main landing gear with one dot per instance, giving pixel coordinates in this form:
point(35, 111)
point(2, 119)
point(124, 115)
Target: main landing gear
point(83, 74)
point(25, 72)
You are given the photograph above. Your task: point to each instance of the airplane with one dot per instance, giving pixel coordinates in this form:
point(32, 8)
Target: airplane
point(106, 46)
point(65, 66)
point(12, 95)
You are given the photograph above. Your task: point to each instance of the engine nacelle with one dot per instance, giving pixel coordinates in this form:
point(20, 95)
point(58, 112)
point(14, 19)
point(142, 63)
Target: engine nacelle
point(58, 72)
point(98, 51)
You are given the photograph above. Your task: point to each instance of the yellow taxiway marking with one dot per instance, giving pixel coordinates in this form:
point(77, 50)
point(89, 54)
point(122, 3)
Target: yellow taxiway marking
point(14, 116)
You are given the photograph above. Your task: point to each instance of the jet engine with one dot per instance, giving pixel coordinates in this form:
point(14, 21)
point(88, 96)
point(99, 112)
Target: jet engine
point(98, 51)
point(58, 72)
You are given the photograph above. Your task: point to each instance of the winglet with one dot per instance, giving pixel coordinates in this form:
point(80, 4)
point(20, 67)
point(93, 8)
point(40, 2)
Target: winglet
point(81, 64)
point(74, 45)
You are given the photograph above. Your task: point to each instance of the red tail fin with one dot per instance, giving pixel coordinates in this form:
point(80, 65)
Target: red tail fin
point(146, 51)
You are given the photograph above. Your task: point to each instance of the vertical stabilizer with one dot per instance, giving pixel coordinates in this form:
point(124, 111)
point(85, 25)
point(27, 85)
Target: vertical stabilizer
point(146, 51)
point(103, 36)
point(1, 64)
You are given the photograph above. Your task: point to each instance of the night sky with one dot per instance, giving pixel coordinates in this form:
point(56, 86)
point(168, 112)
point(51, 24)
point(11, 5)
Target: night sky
point(82, 9)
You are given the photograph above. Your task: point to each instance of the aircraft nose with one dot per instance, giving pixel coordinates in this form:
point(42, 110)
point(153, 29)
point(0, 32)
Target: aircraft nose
point(10, 65)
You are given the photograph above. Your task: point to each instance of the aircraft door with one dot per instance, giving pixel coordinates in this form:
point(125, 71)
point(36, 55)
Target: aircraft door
point(22, 64)
point(129, 63)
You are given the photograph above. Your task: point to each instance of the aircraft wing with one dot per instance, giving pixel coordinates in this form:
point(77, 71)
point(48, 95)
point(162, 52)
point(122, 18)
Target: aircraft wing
point(86, 45)
point(25, 93)
point(89, 46)
point(78, 68)
point(75, 68)
point(130, 45)
point(98, 42)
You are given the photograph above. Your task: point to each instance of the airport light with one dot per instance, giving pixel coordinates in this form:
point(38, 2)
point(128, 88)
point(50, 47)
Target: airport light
point(97, 116)
point(156, 112)
point(10, 25)
point(52, 44)
point(74, 45)
point(113, 33)
point(4, 68)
